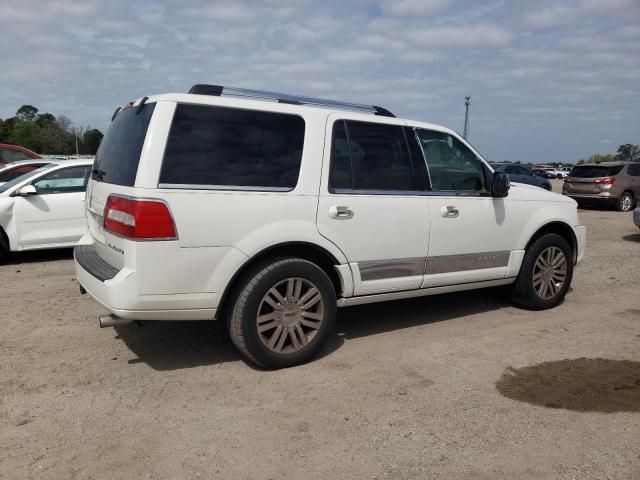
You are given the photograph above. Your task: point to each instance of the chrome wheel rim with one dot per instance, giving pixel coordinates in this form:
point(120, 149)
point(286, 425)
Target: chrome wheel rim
point(626, 202)
point(549, 272)
point(290, 315)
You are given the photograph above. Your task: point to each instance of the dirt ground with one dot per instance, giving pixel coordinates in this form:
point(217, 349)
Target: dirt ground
point(457, 386)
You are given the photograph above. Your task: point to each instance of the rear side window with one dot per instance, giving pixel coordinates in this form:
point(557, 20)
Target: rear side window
point(15, 172)
point(119, 153)
point(634, 170)
point(8, 155)
point(230, 147)
point(371, 156)
point(595, 171)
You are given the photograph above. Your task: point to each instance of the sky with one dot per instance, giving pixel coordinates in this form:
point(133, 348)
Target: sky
point(549, 81)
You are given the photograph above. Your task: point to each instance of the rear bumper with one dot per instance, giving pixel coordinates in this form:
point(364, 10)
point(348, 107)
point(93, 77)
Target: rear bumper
point(581, 241)
point(119, 293)
point(604, 199)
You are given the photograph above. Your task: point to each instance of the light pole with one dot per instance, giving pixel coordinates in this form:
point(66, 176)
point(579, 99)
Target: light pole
point(467, 102)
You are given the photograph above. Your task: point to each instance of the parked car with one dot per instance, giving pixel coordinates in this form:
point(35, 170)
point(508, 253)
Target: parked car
point(44, 208)
point(554, 172)
point(15, 153)
point(521, 174)
point(268, 211)
point(636, 216)
point(609, 184)
point(16, 169)
point(540, 172)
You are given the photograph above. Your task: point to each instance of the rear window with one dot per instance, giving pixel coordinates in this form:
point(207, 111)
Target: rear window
point(595, 171)
point(119, 153)
point(229, 147)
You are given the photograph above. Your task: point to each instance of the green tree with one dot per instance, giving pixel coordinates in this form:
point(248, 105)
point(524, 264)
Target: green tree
point(628, 153)
point(27, 112)
point(91, 140)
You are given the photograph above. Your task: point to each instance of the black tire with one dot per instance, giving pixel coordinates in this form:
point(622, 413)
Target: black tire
point(625, 202)
point(247, 299)
point(524, 293)
point(4, 246)
point(546, 186)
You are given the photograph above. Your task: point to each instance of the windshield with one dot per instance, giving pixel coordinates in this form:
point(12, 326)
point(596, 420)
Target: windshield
point(9, 185)
point(595, 171)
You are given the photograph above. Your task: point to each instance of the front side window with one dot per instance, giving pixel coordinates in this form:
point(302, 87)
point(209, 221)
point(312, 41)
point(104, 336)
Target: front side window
point(66, 180)
point(452, 166)
point(371, 156)
point(231, 147)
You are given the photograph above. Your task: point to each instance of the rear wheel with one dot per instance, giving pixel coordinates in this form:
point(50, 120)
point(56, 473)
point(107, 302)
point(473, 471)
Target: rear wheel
point(545, 274)
point(282, 313)
point(625, 202)
point(546, 186)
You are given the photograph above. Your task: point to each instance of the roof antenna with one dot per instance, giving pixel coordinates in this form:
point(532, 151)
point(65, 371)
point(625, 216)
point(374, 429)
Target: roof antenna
point(467, 102)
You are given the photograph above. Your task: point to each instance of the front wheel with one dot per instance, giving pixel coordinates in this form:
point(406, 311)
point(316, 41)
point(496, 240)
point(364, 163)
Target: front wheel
point(282, 313)
point(545, 274)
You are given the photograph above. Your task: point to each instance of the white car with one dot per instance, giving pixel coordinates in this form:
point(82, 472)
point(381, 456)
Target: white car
point(44, 208)
point(268, 211)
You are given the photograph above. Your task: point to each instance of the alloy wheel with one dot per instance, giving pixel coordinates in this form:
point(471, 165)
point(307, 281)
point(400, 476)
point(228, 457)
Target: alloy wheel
point(290, 315)
point(549, 272)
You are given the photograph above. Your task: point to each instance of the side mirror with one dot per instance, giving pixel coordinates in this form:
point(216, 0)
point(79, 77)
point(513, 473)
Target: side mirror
point(501, 185)
point(26, 190)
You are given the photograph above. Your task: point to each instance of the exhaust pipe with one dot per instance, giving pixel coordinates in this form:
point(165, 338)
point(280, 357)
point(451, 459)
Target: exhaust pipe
point(105, 321)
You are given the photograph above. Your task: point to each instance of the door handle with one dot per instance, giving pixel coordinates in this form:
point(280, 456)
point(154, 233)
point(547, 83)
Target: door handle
point(340, 212)
point(449, 211)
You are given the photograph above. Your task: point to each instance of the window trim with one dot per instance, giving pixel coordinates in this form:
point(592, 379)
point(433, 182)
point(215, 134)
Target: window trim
point(353, 191)
point(230, 188)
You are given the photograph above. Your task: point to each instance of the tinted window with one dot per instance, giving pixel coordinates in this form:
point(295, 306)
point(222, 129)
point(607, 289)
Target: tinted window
point(119, 153)
point(376, 157)
point(14, 172)
point(66, 180)
point(634, 170)
point(232, 147)
point(595, 171)
point(341, 175)
point(452, 166)
point(8, 155)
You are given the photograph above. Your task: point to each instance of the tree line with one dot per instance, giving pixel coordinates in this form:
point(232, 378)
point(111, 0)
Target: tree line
point(626, 153)
point(47, 134)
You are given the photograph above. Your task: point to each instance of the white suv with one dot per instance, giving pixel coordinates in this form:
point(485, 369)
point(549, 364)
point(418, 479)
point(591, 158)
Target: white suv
point(269, 211)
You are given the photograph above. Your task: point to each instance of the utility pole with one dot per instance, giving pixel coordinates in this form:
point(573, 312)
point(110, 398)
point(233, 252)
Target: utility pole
point(466, 116)
point(77, 152)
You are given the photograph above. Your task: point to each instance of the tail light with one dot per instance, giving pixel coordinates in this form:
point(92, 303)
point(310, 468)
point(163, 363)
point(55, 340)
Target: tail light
point(606, 180)
point(139, 219)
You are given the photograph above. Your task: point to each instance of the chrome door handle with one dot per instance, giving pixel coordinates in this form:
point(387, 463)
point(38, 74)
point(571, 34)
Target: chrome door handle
point(340, 212)
point(449, 211)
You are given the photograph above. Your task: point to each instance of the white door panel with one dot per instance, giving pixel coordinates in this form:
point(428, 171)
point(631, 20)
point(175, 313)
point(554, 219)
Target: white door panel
point(385, 240)
point(474, 244)
point(50, 219)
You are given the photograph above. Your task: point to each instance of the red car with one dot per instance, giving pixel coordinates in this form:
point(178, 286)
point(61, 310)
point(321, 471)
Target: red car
point(14, 153)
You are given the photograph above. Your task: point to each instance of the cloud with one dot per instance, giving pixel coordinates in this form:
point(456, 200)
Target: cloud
point(542, 75)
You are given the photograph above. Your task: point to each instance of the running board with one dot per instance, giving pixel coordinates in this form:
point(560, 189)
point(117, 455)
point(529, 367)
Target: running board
point(422, 292)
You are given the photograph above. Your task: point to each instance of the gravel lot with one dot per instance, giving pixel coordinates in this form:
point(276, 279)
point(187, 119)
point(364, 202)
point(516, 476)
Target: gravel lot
point(458, 386)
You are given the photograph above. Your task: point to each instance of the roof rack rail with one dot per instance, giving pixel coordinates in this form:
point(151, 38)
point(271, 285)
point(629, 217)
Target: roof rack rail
point(220, 91)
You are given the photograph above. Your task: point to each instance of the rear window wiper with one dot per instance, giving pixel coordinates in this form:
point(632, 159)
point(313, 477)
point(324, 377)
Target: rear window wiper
point(98, 174)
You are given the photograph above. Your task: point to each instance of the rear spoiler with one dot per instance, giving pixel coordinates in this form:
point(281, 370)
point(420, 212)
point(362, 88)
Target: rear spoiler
point(136, 103)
